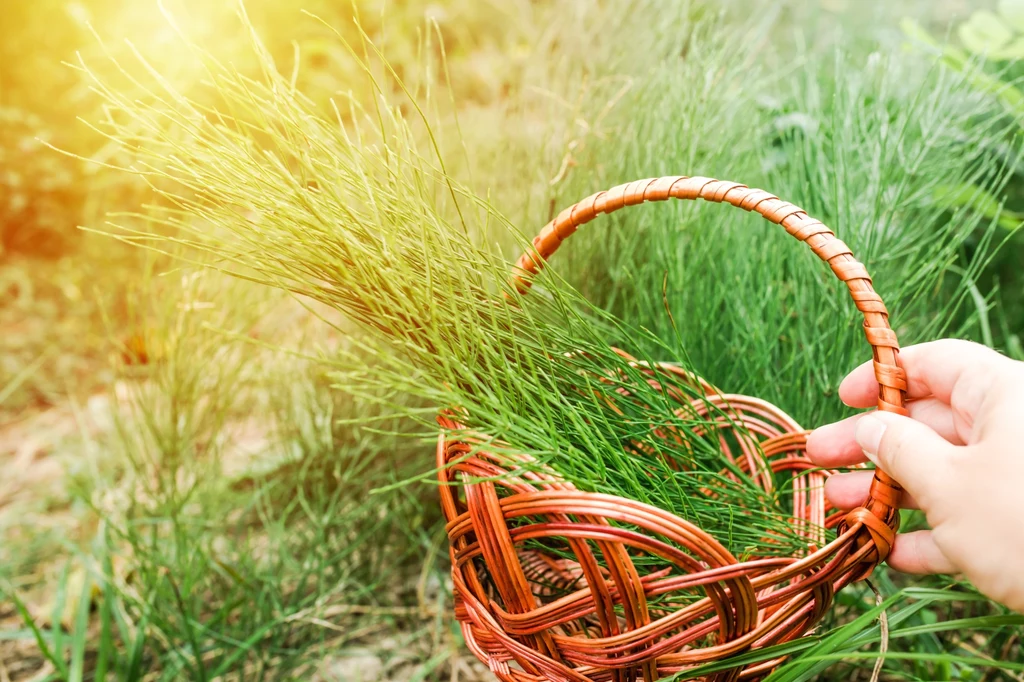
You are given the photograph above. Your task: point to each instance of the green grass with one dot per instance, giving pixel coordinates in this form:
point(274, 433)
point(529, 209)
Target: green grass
point(235, 533)
point(791, 332)
point(298, 548)
point(348, 212)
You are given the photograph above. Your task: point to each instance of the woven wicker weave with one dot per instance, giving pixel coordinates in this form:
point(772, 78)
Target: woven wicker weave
point(534, 617)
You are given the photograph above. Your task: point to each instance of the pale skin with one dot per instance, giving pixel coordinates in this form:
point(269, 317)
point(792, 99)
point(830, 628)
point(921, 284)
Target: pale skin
point(959, 456)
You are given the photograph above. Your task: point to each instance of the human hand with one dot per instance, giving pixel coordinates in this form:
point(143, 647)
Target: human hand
point(959, 457)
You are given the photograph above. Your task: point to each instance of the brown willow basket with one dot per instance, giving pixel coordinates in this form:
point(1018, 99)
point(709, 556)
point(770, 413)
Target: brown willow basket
point(607, 621)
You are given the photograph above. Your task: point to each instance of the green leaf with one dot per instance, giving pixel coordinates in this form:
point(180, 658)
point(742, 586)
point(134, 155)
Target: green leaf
point(1012, 11)
point(977, 199)
point(952, 56)
point(40, 637)
point(963, 624)
point(137, 650)
point(958, 60)
point(984, 33)
point(430, 666)
point(832, 646)
point(1011, 52)
point(918, 656)
point(80, 634)
point(57, 614)
point(244, 648)
point(107, 650)
point(917, 33)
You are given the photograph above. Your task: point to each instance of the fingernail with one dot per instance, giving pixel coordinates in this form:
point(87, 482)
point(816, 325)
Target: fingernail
point(870, 430)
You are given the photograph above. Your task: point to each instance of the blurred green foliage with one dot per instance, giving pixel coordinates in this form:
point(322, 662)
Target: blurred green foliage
point(988, 49)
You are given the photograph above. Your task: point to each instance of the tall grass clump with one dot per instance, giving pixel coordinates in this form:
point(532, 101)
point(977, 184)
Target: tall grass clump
point(232, 530)
point(359, 214)
point(268, 571)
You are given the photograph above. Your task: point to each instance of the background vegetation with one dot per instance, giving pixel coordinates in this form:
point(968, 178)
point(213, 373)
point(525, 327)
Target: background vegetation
point(187, 495)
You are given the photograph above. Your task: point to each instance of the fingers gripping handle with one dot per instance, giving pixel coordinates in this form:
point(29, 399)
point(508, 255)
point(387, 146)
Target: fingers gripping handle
point(892, 383)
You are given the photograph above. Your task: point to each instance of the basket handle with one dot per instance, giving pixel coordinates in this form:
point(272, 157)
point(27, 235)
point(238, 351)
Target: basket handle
point(879, 516)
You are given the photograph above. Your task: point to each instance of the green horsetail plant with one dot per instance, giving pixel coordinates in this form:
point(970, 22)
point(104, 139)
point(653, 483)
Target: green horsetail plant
point(357, 213)
point(861, 135)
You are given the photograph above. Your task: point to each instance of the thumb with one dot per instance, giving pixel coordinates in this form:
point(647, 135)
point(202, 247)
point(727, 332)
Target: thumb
point(909, 451)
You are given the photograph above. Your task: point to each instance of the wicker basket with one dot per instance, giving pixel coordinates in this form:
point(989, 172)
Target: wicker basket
point(531, 616)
